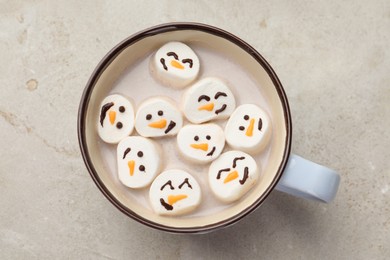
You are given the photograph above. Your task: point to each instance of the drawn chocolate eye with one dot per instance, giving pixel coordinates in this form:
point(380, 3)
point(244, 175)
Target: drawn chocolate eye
point(246, 117)
point(220, 94)
point(168, 183)
point(189, 61)
point(122, 109)
point(185, 182)
point(173, 55)
point(126, 152)
point(196, 138)
point(119, 125)
point(208, 137)
point(141, 168)
point(241, 128)
point(148, 116)
point(237, 159)
point(205, 97)
point(160, 113)
point(140, 154)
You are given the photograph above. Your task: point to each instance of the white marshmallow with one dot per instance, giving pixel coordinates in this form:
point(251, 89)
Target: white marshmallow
point(208, 99)
point(116, 119)
point(158, 116)
point(232, 175)
point(249, 129)
point(201, 143)
point(175, 65)
point(139, 161)
point(174, 192)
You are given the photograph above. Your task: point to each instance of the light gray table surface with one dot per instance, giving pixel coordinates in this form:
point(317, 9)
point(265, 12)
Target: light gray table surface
point(333, 60)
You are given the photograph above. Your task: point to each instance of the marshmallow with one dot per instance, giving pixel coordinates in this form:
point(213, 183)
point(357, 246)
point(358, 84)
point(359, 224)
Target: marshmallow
point(175, 65)
point(158, 116)
point(208, 99)
point(174, 192)
point(249, 129)
point(201, 143)
point(116, 119)
point(232, 175)
point(139, 161)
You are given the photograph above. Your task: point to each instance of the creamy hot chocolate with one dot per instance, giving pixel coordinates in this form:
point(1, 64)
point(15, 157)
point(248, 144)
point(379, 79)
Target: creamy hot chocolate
point(138, 84)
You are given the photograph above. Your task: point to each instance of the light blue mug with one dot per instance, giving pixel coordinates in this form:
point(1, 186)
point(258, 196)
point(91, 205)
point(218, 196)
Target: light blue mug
point(283, 171)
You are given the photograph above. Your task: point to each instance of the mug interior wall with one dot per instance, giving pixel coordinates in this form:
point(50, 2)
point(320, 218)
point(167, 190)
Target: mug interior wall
point(140, 49)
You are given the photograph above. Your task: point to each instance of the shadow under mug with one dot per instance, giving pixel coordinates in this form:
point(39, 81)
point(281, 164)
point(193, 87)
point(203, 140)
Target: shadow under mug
point(284, 171)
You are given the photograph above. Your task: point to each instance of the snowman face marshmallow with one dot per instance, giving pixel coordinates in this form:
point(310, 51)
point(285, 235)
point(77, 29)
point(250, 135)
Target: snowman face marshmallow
point(116, 119)
point(208, 99)
point(201, 143)
point(139, 161)
point(174, 192)
point(232, 175)
point(158, 117)
point(248, 129)
point(175, 64)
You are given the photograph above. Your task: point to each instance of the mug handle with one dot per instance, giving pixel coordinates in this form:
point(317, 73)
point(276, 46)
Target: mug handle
point(306, 179)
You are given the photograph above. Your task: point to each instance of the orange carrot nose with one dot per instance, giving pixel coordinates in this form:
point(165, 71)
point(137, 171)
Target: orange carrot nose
point(231, 176)
point(112, 116)
point(177, 64)
point(203, 147)
point(175, 198)
point(158, 124)
point(249, 130)
point(208, 107)
point(131, 165)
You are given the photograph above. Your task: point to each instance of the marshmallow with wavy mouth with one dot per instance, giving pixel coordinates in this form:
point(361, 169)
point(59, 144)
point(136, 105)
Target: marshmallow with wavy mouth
point(174, 192)
point(139, 160)
point(175, 65)
point(249, 129)
point(232, 175)
point(201, 143)
point(208, 99)
point(116, 118)
point(158, 116)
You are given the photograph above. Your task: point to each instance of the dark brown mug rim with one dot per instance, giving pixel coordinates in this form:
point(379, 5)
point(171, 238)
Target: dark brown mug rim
point(163, 28)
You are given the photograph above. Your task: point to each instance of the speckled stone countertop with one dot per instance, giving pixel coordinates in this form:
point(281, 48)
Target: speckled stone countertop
point(333, 59)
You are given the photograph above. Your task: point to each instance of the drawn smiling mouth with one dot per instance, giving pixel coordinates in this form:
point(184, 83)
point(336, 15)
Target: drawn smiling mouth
point(211, 152)
point(171, 125)
point(220, 110)
point(166, 205)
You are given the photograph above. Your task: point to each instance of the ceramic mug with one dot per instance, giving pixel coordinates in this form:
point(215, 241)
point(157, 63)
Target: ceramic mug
point(279, 170)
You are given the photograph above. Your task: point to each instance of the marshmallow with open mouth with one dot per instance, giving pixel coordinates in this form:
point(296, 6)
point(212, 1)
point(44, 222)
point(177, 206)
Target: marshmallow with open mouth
point(175, 64)
point(116, 119)
point(174, 192)
point(139, 161)
point(249, 129)
point(232, 175)
point(201, 143)
point(158, 116)
point(208, 99)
